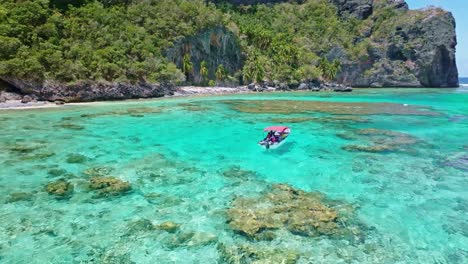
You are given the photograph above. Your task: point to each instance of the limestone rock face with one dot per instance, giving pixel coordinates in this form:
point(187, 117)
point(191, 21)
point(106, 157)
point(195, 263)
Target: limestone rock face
point(215, 46)
point(253, 2)
point(415, 49)
point(360, 9)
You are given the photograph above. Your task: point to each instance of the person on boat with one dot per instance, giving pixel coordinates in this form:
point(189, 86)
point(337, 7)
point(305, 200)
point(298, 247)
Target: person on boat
point(273, 139)
point(268, 137)
point(277, 137)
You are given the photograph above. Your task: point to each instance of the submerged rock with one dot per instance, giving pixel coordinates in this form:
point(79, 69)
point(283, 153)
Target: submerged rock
point(370, 148)
point(202, 239)
point(56, 172)
point(169, 226)
point(284, 207)
point(236, 172)
point(76, 159)
point(459, 162)
point(141, 225)
point(70, 126)
point(381, 141)
point(99, 171)
point(24, 149)
point(109, 186)
point(259, 255)
point(60, 188)
point(19, 197)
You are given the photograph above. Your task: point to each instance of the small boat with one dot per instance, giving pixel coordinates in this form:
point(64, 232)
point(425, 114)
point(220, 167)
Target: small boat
point(281, 133)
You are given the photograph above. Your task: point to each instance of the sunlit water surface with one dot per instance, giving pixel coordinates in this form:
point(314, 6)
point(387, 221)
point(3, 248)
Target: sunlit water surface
point(410, 197)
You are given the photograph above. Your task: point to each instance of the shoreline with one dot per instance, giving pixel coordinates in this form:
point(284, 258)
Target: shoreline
point(184, 91)
point(181, 92)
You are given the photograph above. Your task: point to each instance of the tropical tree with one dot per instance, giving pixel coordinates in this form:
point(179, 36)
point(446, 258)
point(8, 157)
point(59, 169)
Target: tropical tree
point(329, 69)
point(187, 66)
point(220, 73)
point(204, 71)
point(254, 69)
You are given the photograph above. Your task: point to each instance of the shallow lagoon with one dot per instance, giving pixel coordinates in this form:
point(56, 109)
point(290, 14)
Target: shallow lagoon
point(394, 156)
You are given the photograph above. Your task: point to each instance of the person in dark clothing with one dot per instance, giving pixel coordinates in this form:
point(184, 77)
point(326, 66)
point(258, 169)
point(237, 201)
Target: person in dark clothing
point(269, 135)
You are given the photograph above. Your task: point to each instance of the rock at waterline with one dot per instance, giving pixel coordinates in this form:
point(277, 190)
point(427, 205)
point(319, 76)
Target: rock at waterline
point(26, 99)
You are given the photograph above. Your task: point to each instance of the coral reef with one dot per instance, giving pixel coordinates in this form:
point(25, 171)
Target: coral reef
point(381, 141)
point(335, 108)
point(70, 126)
point(258, 255)
point(459, 161)
point(60, 188)
point(109, 186)
point(169, 226)
point(328, 119)
point(19, 197)
point(193, 107)
point(299, 212)
point(98, 171)
point(76, 159)
point(235, 172)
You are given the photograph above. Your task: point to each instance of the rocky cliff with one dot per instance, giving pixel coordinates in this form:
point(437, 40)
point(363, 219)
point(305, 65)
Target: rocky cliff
point(216, 46)
point(414, 48)
point(403, 48)
point(88, 91)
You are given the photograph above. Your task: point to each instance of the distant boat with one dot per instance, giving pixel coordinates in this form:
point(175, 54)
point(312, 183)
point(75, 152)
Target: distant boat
point(276, 136)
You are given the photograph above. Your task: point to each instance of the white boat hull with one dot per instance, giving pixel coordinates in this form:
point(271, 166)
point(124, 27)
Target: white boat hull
point(273, 146)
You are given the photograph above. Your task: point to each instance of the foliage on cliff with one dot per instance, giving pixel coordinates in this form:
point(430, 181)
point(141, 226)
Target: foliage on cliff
point(96, 41)
point(126, 40)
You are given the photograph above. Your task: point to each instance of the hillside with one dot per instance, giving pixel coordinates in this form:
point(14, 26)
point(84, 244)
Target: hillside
point(112, 49)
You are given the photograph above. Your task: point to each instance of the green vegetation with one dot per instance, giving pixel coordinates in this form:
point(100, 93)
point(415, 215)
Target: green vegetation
point(92, 40)
point(125, 41)
point(220, 73)
point(204, 71)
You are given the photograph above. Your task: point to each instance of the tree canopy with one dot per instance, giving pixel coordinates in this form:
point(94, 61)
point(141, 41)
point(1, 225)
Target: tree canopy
point(125, 40)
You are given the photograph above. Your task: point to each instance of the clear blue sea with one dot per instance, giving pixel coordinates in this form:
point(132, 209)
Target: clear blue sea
point(463, 81)
point(396, 156)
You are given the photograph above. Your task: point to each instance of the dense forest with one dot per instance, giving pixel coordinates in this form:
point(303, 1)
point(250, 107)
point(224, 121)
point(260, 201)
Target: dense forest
point(126, 40)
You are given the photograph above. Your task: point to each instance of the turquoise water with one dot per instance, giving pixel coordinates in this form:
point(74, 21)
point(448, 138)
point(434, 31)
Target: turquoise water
point(410, 201)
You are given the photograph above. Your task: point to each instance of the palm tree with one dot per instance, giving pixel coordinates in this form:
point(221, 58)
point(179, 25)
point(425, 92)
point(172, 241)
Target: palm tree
point(204, 71)
point(220, 73)
point(336, 68)
point(187, 66)
point(254, 70)
point(329, 69)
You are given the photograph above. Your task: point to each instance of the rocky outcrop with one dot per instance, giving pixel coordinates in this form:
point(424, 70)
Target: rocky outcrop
point(253, 2)
point(109, 186)
point(416, 48)
point(435, 58)
point(61, 189)
point(89, 90)
point(360, 9)
point(216, 46)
